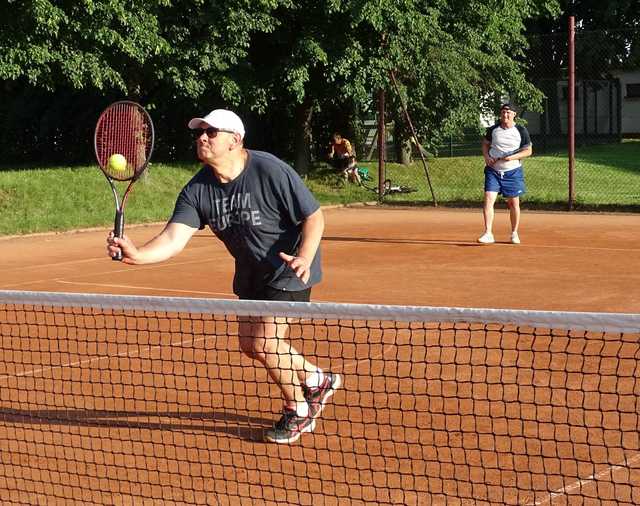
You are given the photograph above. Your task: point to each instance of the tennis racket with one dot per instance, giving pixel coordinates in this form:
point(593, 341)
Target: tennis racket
point(509, 153)
point(124, 129)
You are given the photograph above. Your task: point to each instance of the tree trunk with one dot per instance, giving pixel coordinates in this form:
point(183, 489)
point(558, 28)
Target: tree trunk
point(402, 145)
point(405, 152)
point(303, 137)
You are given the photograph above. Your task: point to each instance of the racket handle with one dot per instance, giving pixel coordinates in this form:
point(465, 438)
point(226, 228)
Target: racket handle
point(118, 228)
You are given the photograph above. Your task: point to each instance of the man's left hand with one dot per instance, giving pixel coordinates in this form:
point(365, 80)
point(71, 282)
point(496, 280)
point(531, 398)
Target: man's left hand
point(299, 265)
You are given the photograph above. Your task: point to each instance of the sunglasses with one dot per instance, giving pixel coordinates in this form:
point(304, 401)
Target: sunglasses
point(211, 131)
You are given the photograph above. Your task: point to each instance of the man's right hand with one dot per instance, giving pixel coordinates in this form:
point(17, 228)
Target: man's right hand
point(171, 241)
point(116, 244)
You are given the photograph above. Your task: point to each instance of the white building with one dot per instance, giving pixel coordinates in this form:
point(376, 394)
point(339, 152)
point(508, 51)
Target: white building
point(612, 107)
point(630, 84)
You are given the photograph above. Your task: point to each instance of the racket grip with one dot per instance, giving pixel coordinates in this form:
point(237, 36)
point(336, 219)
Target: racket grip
point(118, 228)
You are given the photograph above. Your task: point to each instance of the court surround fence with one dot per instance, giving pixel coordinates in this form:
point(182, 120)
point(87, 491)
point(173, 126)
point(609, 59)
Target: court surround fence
point(607, 113)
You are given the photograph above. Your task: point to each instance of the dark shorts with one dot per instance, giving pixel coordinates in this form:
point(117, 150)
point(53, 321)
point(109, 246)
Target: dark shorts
point(270, 293)
point(341, 162)
point(509, 184)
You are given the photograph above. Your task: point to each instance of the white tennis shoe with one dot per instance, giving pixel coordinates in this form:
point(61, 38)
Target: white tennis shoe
point(515, 239)
point(486, 238)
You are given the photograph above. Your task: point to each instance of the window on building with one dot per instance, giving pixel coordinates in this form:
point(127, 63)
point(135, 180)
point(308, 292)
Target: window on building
point(633, 90)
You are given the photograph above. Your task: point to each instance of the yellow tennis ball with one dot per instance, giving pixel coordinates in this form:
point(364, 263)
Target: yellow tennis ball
point(117, 163)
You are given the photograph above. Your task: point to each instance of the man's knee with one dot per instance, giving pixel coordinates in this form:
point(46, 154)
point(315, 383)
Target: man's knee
point(254, 347)
point(490, 198)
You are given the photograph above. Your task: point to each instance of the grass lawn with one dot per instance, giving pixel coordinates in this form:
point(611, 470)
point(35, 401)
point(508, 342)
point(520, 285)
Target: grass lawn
point(606, 177)
point(64, 198)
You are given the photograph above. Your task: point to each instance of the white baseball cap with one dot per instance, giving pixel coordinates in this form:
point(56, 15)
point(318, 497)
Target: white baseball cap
point(221, 119)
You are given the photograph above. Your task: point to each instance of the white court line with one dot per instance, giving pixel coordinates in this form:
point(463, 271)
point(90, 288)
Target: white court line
point(559, 246)
point(67, 280)
point(98, 359)
point(104, 259)
point(149, 288)
point(140, 352)
point(356, 362)
point(55, 264)
point(31, 372)
point(26, 283)
point(107, 285)
point(188, 262)
point(580, 483)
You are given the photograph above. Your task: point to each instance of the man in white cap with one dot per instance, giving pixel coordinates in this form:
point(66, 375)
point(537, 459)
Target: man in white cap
point(504, 146)
point(272, 226)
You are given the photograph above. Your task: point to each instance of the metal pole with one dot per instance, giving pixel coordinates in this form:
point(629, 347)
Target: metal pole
point(415, 137)
point(610, 109)
point(571, 112)
point(382, 137)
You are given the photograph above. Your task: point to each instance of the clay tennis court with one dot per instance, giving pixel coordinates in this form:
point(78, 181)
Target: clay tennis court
point(211, 452)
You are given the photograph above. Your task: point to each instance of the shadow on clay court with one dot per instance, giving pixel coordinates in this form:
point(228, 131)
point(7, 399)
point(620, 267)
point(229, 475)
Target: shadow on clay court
point(245, 427)
point(402, 241)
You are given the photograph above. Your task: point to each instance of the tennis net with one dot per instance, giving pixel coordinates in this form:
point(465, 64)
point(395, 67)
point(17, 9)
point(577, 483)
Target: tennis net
point(110, 399)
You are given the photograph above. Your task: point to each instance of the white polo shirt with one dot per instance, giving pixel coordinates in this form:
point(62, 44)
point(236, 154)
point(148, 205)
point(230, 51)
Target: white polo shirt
point(506, 141)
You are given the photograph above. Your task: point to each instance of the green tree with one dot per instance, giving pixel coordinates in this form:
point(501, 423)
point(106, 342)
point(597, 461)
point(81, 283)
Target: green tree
point(165, 53)
point(130, 45)
point(453, 58)
point(284, 63)
point(81, 44)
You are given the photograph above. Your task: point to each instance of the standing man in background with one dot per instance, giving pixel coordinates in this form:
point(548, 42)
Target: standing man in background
point(504, 145)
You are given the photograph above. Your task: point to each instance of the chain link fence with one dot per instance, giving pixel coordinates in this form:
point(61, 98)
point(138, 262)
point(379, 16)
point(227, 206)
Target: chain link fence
point(607, 133)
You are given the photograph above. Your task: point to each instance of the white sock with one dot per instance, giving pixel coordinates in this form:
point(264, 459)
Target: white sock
point(302, 408)
point(315, 379)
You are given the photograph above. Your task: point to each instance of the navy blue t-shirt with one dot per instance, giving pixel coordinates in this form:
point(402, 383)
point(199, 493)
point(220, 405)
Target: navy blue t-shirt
point(256, 216)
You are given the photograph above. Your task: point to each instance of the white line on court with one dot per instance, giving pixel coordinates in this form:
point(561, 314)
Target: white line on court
point(55, 264)
point(580, 483)
point(585, 248)
point(104, 259)
point(49, 266)
point(355, 363)
point(9, 286)
point(127, 354)
point(141, 351)
point(144, 352)
point(149, 288)
point(67, 279)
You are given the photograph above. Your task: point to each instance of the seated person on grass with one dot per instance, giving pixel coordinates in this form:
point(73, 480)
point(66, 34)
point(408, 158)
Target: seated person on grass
point(342, 157)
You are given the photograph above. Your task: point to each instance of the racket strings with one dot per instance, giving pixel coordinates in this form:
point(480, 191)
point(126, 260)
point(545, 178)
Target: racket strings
point(124, 128)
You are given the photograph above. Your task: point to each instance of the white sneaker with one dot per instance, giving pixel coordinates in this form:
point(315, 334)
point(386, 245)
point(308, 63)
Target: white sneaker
point(486, 238)
point(514, 238)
